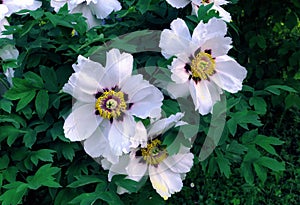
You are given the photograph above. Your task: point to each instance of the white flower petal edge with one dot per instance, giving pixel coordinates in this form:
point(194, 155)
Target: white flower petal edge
point(17, 5)
point(81, 123)
point(178, 3)
point(104, 7)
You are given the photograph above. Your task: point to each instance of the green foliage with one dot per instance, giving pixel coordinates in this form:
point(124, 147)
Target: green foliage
point(255, 161)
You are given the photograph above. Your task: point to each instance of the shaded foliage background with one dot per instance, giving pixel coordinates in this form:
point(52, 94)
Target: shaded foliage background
point(256, 161)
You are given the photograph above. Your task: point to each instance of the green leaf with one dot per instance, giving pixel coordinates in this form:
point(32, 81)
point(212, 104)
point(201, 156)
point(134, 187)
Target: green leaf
point(34, 79)
point(143, 5)
point(50, 78)
point(84, 180)
point(68, 150)
point(224, 165)
point(259, 104)
point(271, 163)
point(6, 105)
point(130, 185)
point(9, 131)
point(43, 177)
point(247, 172)
point(267, 142)
point(45, 155)
point(14, 195)
point(275, 89)
point(42, 103)
point(4, 161)
point(25, 100)
point(30, 138)
point(261, 172)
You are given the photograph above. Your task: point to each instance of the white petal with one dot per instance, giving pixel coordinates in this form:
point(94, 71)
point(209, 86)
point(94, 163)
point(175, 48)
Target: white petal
point(178, 3)
point(179, 74)
point(120, 134)
point(219, 46)
point(57, 4)
point(81, 123)
point(204, 94)
point(9, 73)
point(87, 13)
point(229, 74)
point(140, 137)
point(17, 5)
point(178, 90)
point(161, 126)
point(84, 84)
point(118, 68)
point(136, 168)
point(203, 31)
point(118, 168)
point(145, 98)
point(175, 41)
point(3, 22)
point(164, 181)
point(97, 145)
point(8, 52)
point(180, 163)
point(104, 7)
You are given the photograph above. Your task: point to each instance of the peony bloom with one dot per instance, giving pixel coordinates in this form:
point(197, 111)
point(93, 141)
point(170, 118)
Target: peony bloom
point(202, 66)
point(106, 101)
point(165, 171)
point(196, 3)
point(92, 10)
point(7, 7)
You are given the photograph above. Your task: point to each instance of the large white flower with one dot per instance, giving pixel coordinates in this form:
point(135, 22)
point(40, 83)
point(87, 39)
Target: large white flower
point(107, 99)
point(202, 66)
point(166, 171)
point(93, 10)
point(7, 7)
point(196, 3)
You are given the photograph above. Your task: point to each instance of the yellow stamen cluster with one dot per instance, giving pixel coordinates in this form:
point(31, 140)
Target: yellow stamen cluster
point(153, 154)
point(111, 104)
point(202, 66)
point(205, 1)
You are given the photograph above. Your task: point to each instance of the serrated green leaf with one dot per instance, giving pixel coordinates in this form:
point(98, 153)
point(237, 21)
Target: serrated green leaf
point(224, 165)
point(267, 142)
point(42, 103)
point(43, 177)
point(259, 104)
point(14, 195)
point(45, 155)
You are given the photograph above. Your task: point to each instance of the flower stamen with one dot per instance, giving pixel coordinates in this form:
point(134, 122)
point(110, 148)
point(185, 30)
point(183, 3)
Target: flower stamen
point(110, 104)
point(154, 153)
point(203, 66)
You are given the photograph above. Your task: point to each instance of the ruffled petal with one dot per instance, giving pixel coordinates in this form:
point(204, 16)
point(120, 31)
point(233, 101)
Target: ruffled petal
point(120, 134)
point(178, 90)
point(204, 31)
point(161, 126)
point(91, 19)
point(118, 68)
point(118, 168)
point(164, 181)
point(81, 123)
point(178, 3)
point(219, 46)
point(180, 163)
point(229, 74)
point(223, 14)
point(145, 99)
point(179, 73)
point(18, 5)
point(136, 168)
point(97, 145)
point(140, 137)
point(204, 94)
point(104, 7)
point(175, 41)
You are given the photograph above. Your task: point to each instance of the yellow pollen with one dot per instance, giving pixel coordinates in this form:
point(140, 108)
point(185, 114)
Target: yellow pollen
point(205, 1)
point(202, 66)
point(111, 104)
point(153, 154)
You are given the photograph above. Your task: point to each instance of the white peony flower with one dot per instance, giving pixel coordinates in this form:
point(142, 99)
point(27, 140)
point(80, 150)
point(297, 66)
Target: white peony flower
point(166, 172)
point(196, 3)
point(202, 66)
point(92, 10)
point(107, 99)
point(7, 7)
